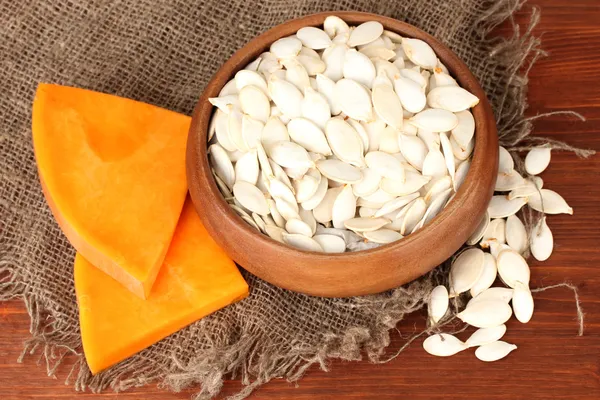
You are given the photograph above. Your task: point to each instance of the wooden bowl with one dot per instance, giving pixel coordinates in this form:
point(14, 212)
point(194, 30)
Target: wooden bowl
point(354, 273)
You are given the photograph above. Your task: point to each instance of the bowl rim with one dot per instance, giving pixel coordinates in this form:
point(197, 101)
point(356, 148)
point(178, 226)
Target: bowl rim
point(485, 132)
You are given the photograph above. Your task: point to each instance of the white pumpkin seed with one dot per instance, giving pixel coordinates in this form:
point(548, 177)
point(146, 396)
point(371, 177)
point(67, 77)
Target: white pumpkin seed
point(462, 152)
point(366, 212)
point(512, 268)
point(378, 52)
point(345, 142)
point(542, 240)
point(368, 184)
point(413, 215)
point(461, 174)
point(286, 47)
point(222, 130)
point(501, 207)
point(365, 224)
point(385, 165)
point(226, 103)
point(236, 136)
point(496, 248)
point(466, 270)
point(308, 218)
point(529, 188)
point(246, 169)
point(307, 186)
point(358, 67)
point(395, 204)
point(494, 293)
point(508, 181)
point(222, 164)
point(431, 139)
point(413, 149)
point(365, 33)
point(410, 93)
point(225, 191)
point(251, 197)
point(251, 131)
point(375, 130)
point(362, 133)
point(488, 276)
point(339, 171)
point(390, 70)
point(383, 236)
point(315, 107)
point(464, 131)
point(480, 230)
point(354, 99)
point(259, 222)
point(251, 222)
point(279, 220)
point(549, 202)
point(274, 131)
point(228, 89)
point(301, 242)
point(287, 210)
point(537, 160)
point(344, 207)
point(335, 25)
point(419, 53)
point(522, 303)
point(313, 38)
point(245, 78)
point(394, 37)
point(434, 164)
point(435, 187)
point(485, 336)
point(296, 74)
point(316, 198)
point(297, 226)
point(290, 155)
point(334, 57)
point(494, 351)
point(255, 103)
point(448, 154)
point(451, 98)
point(437, 205)
point(516, 235)
point(506, 164)
point(415, 76)
point(438, 303)
point(263, 161)
point(280, 174)
point(387, 105)
point(275, 233)
point(331, 243)
point(324, 211)
point(308, 135)
point(435, 120)
point(286, 97)
point(486, 313)
point(443, 345)
point(327, 88)
point(413, 182)
point(442, 78)
point(495, 232)
point(312, 65)
point(278, 189)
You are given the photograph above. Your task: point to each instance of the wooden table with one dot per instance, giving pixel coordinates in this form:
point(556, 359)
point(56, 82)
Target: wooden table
point(551, 362)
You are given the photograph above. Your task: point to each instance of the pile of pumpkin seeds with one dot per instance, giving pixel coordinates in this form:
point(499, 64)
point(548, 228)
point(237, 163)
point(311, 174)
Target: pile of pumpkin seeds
point(341, 138)
point(497, 250)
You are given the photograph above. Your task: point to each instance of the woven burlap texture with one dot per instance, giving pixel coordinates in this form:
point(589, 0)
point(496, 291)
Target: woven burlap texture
point(164, 52)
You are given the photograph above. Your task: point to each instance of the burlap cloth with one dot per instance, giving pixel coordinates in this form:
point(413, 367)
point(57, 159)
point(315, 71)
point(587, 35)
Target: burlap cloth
point(164, 52)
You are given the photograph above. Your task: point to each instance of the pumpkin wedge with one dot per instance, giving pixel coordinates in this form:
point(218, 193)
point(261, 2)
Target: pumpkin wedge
point(196, 279)
point(113, 173)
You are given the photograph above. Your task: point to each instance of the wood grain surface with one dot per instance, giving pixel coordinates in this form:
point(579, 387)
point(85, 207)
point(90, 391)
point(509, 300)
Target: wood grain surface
point(551, 361)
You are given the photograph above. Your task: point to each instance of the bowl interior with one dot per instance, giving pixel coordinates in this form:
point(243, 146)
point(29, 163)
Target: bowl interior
point(415, 254)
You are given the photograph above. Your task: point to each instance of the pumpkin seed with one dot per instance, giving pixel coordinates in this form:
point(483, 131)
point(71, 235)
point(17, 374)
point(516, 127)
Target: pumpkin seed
point(358, 67)
point(385, 165)
point(448, 154)
point(414, 214)
point(334, 57)
point(308, 135)
point(522, 303)
point(228, 89)
point(466, 270)
point(279, 220)
point(495, 232)
point(246, 169)
point(275, 233)
point(480, 230)
point(494, 351)
point(529, 188)
point(250, 78)
point(327, 88)
point(222, 164)
point(308, 217)
point(365, 224)
point(255, 103)
point(323, 212)
point(451, 98)
point(383, 236)
point(313, 38)
point(501, 207)
point(378, 52)
point(362, 133)
point(488, 276)
point(462, 152)
point(251, 222)
point(542, 241)
point(312, 65)
point(413, 182)
point(437, 204)
point(486, 313)
point(375, 130)
point(549, 202)
point(464, 131)
point(331, 243)
point(287, 210)
point(438, 303)
point(339, 171)
point(419, 53)
point(259, 222)
point(286, 47)
point(435, 120)
point(354, 99)
point(496, 248)
point(222, 130)
point(297, 226)
point(301, 242)
point(431, 139)
point(307, 186)
point(512, 267)
point(280, 174)
point(443, 345)
point(368, 184)
point(296, 74)
point(494, 293)
point(274, 131)
point(506, 164)
point(345, 142)
point(344, 207)
point(251, 197)
point(461, 174)
point(415, 76)
point(537, 160)
point(365, 33)
point(413, 149)
point(251, 131)
point(387, 105)
point(315, 107)
point(278, 189)
point(508, 181)
point(290, 155)
point(516, 235)
point(235, 130)
point(434, 164)
point(435, 187)
point(335, 25)
point(410, 93)
point(485, 336)
point(395, 204)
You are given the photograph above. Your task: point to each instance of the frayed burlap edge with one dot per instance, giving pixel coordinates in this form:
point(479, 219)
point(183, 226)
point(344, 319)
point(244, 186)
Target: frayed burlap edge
point(249, 358)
